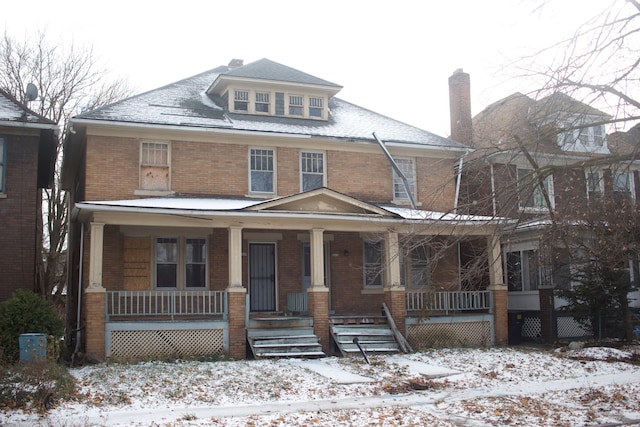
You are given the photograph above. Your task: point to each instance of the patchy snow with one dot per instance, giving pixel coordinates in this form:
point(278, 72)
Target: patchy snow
point(448, 387)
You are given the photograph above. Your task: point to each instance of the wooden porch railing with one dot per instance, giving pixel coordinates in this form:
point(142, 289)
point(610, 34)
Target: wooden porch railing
point(446, 302)
point(169, 304)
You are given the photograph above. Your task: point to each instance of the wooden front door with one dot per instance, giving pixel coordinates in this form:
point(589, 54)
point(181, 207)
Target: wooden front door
point(262, 276)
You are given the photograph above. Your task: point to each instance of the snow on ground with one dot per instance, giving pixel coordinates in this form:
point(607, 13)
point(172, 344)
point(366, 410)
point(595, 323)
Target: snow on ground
point(447, 387)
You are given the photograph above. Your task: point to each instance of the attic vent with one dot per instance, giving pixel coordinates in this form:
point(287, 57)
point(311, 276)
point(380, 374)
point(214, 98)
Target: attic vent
point(235, 63)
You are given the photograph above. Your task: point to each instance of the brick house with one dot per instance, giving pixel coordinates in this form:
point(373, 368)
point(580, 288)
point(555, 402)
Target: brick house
point(567, 141)
point(27, 154)
point(250, 198)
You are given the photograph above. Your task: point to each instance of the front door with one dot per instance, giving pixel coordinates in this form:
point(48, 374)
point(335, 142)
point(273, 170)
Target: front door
point(262, 276)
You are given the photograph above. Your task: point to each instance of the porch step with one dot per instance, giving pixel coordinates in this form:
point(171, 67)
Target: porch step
point(289, 342)
point(373, 338)
point(279, 322)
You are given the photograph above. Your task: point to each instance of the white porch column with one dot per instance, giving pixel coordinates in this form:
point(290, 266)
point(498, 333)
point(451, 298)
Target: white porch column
point(235, 256)
point(317, 257)
point(496, 276)
point(392, 261)
point(96, 255)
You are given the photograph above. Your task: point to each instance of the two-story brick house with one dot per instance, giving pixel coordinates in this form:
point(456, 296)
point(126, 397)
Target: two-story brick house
point(27, 153)
point(251, 192)
point(537, 161)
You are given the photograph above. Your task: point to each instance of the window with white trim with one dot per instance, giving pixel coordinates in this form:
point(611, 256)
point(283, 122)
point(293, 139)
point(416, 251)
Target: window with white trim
point(407, 167)
point(523, 271)
point(316, 105)
point(3, 156)
point(311, 170)
point(581, 136)
point(262, 102)
point(623, 185)
point(372, 263)
point(296, 105)
point(180, 262)
point(261, 170)
point(595, 184)
point(530, 191)
point(155, 166)
point(241, 100)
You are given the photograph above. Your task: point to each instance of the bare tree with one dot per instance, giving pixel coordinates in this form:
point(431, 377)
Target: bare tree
point(70, 79)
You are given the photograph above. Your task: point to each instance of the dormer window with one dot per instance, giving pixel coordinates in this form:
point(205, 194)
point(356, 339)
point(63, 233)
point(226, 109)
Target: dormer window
point(315, 107)
point(581, 137)
point(262, 102)
point(296, 106)
point(241, 100)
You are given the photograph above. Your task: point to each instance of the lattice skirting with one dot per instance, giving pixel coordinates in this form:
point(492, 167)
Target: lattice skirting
point(143, 344)
point(424, 335)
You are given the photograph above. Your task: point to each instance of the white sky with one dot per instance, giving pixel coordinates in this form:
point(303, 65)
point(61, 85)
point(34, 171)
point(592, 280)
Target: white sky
point(392, 57)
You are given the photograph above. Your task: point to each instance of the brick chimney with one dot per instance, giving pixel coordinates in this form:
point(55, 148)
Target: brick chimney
point(235, 63)
point(460, 107)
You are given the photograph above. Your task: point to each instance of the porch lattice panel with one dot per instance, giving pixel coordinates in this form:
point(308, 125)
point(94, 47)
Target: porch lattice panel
point(158, 343)
point(449, 334)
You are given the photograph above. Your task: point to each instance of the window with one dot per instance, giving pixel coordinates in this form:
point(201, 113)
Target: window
point(372, 264)
point(530, 192)
point(3, 156)
point(408, 170)
point(154, 166)
point(262, 102)
point(414, 267)
point(621, 183)
point(315, 107)
point(296, 106)
point(581, 136)
point(241, 100)
point(311, 170)
point(595, 184)
point(523, 271)
point(181, 262)
point(261, 171)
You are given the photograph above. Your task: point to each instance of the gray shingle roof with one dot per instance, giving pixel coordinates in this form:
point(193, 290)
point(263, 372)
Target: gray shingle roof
point(13, 111)
point(186, 103)
point(270, 70)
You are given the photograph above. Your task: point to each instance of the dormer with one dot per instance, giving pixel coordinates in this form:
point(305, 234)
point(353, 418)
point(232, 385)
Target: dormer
point(266, 88)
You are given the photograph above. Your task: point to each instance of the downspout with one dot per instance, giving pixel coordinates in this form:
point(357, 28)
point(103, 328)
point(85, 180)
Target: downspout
point(80, 262)
point(493, 191)
point(396, 168)
point(455, 202)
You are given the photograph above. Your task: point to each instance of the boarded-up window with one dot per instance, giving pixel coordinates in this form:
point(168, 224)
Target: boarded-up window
point(154, 166)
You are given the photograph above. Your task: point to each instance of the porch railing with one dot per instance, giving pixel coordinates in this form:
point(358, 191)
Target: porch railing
point(165, 304)
point(447, 302)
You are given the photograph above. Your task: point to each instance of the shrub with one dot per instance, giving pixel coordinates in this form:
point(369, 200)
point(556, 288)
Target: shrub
point(25, 312)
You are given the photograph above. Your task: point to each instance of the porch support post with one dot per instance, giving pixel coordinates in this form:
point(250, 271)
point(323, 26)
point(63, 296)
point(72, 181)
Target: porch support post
point(499, 290)
point(548, 322)
point(318, 293)
point(95, 296)
point(394, 292)
point(237, 297)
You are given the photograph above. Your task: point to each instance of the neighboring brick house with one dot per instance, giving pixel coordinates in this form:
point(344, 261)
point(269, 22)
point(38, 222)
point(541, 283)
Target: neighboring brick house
point(251, 192)
point(566, 141)
point(27, 155)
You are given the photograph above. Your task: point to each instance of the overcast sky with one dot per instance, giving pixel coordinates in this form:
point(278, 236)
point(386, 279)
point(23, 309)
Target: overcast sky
point(392, 57)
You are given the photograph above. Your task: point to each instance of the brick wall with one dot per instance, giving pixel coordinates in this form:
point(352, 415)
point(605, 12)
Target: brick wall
point(18, 213)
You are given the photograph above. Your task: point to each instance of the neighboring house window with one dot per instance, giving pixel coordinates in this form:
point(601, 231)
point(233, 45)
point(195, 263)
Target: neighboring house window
point(296, 106)
point(261, 174)
point(414, 267)
point(315, 107)
point(522, 272)
point(408, 170)
point(595, 184)
point(3, 156)
point(154, 166)
point(530, 192)
point(181, 262)
point(262, 102)
point(311, 170)
point(241, 100)
point(582, 137)
point(372, 264)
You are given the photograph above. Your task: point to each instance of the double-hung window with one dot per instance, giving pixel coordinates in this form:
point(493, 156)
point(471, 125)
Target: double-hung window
point(3, 156)
point(372, 264)
point(407, 167)
point(181, 263)
point(531, 191)
point(241, 100)
point(262, 102)
point(154, 166)
point(311, 170)
point(296, 106)
point(315, 106)
point(523, 271)
point(622, 183)
point(261, 170)
point(595, 184)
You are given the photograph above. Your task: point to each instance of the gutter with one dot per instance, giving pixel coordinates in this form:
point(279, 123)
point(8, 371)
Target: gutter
point(29, 125)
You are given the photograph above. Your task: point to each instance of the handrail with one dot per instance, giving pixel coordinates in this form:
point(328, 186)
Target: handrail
point(171, 303)
point(446, 301)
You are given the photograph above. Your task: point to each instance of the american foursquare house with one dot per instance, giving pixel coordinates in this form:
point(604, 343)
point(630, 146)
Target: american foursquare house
point(249, 211)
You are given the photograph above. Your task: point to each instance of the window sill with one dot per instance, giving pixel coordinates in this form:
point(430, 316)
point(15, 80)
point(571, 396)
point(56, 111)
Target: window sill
point(154, 193)
point(534, 210)
point(404, 202)
point(261, 195)
point(372, 291)
point(3, 195)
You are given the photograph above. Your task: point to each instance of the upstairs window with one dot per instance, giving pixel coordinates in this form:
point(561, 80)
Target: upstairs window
point(530, 192)
point(372, 264)
point(154, 166)
point(3, 156)
point(407, 167)
point(581, 137)
point(261, 170)
point(241, 100)
point(311, 170)
point(262, 102)
point(296, 106)
point(315, 107)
